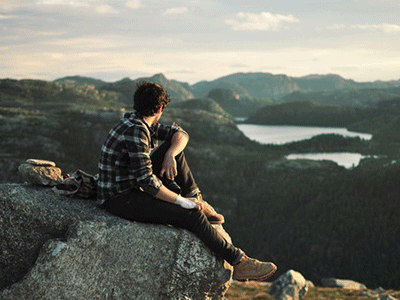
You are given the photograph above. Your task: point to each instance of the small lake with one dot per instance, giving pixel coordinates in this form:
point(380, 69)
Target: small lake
point(279, 135)
point(282, 134)
point(344, 159)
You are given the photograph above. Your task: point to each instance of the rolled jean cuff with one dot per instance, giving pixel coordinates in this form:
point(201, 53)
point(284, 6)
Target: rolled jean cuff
point(194, 193)
point(238, 257)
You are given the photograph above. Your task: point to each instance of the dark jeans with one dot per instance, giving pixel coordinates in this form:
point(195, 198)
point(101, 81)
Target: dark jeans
point(184, 182)
point(139, 206)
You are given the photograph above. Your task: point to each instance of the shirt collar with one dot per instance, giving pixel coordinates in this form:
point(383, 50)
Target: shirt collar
point(138, 115)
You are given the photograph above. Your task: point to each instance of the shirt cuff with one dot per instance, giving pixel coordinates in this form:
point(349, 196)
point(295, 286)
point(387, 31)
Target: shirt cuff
point(175, 128)
point(151, 185)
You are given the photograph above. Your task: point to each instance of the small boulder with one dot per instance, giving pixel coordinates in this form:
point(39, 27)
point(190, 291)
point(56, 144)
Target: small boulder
point(40, 162)
point(41, 172)
point(289, 286)
point(342, 283)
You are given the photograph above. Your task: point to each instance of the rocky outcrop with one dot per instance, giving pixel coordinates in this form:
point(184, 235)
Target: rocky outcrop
point(54, 247)
point(289, 286)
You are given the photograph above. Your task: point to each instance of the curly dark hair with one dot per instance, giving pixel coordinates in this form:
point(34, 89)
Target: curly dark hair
point(149, 97)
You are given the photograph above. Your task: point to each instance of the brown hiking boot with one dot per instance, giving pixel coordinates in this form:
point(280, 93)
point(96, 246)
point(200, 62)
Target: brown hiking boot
point(212, 216)
point(253, 269)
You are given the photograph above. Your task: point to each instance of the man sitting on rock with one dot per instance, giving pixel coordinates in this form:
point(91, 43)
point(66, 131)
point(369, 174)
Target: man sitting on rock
point(141, 181)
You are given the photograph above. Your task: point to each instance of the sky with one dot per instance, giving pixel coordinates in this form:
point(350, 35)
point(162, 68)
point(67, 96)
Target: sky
point(195, 40)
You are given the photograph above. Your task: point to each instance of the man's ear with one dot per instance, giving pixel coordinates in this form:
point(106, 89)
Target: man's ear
point(160, 110)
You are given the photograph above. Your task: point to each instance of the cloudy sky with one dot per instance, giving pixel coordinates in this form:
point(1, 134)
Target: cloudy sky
point(194, 40)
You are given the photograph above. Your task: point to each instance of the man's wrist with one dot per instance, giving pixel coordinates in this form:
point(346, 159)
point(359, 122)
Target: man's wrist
point(184, 202)
point(179, 200)
point(170, 153)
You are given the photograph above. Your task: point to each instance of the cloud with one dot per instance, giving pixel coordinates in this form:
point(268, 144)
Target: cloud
point(92, 43)
point(5, 17)
point(176, 11)
point(382, 27)
point(377, 4)
point(263, 21)
point(133, 4)
point(6, 7)
point(105, 9)
point(336, 27)
point(71, 3)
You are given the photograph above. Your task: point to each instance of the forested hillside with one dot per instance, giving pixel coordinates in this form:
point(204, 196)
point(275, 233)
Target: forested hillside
point(47, 95)
point(362, 98)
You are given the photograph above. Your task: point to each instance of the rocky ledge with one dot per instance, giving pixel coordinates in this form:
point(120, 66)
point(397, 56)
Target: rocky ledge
point(54, 247)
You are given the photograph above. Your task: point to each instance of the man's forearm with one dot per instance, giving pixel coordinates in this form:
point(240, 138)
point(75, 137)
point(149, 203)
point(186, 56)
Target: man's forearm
point(169, 196)
point(166, 195)
point(178, 143)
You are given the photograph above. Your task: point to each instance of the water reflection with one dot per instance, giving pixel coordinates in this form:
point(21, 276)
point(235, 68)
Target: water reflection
point(279, 135)
point(282, 134)
point(345, 159)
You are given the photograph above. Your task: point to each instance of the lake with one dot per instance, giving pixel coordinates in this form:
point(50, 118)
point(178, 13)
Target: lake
point(282, 134)
point(279, 135)
point(344, 159)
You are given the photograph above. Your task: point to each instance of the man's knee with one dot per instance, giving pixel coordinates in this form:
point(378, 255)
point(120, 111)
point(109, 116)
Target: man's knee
point(195, 218)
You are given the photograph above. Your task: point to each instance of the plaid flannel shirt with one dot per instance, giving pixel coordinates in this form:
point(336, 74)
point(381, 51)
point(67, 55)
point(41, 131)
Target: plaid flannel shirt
point(125, 162)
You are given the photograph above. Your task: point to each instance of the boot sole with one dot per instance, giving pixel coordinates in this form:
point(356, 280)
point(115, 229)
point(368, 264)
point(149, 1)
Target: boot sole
point(216, 222)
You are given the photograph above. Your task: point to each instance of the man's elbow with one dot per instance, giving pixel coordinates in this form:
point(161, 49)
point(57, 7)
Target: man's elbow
point(181, 135)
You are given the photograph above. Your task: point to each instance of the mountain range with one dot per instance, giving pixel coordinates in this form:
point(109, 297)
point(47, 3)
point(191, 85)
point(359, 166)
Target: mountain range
point(245, 85)
point(244, 93)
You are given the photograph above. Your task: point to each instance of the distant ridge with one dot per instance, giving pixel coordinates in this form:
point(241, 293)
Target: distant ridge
point(126, 86)
point(250, 85)
point(260, 86)
point(324, 83)
point(80, 80)
point(254, 90)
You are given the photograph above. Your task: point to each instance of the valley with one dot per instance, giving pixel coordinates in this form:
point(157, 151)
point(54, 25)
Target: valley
point(313, 216)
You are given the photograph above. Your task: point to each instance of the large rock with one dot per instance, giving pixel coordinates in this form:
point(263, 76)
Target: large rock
point(289, 286)
point(55, 247)
point(342, 283)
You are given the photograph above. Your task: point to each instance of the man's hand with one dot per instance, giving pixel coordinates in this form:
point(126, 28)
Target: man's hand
point(178, 143)
point(169, 167)
point(199, 204)
point(188, 203)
